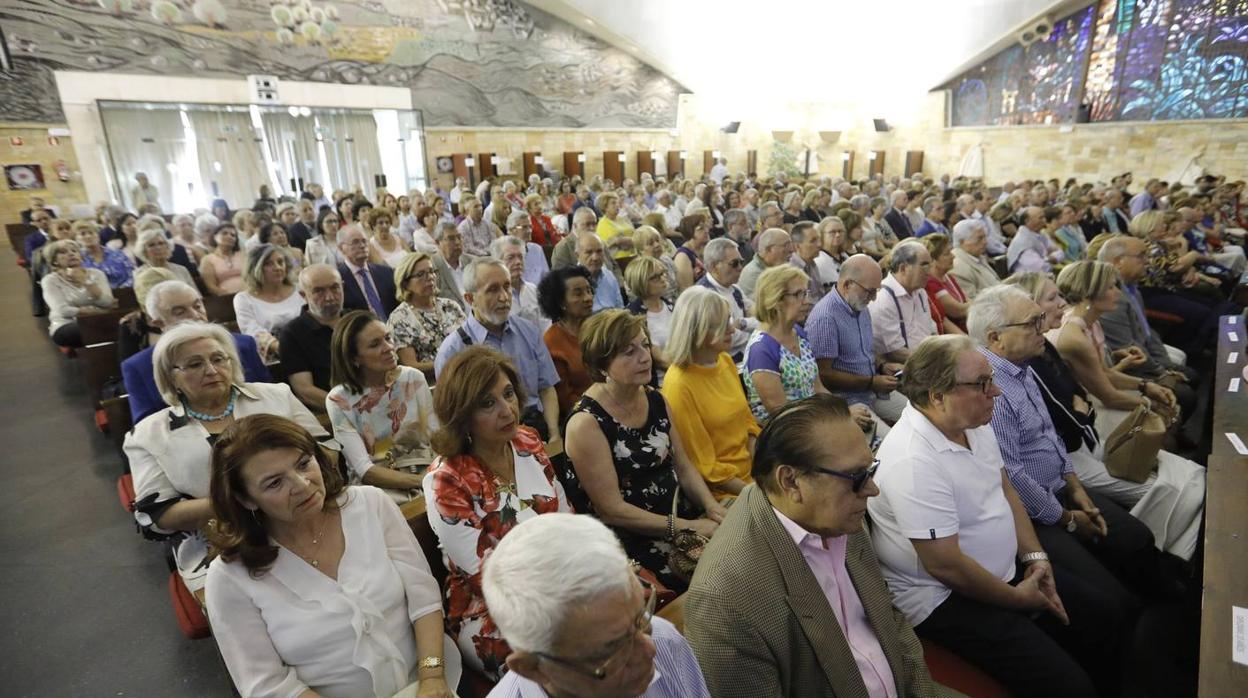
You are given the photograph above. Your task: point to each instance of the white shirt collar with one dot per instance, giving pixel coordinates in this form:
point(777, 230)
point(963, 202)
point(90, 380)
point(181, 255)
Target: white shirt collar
point(894, 284)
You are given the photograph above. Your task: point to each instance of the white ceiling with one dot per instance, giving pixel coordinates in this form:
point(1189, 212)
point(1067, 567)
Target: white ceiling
point(746, 58)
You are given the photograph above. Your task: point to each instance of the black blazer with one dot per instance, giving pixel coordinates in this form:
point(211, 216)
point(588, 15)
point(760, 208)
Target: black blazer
point(899, 223)
point(353, 295)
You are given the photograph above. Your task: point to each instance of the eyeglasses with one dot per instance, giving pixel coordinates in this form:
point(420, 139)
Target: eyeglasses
point(871, 292)
point(422, 274)
point(1036, 323)
point(984, 385)
point(657, 277)
point(857, 480)
point(613, 649)
point(219, 362)
point(805, 293)
point(736, 263)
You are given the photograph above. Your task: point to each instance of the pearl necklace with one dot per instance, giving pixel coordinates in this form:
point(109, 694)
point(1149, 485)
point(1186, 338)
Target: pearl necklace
point(229, 409)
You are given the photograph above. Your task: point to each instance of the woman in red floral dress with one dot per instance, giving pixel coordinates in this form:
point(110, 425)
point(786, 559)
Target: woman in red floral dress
point(491, 474)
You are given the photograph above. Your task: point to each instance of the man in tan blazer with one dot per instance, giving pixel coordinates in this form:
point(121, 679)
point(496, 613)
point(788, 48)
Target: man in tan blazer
point(971, 268)
point(788, 598)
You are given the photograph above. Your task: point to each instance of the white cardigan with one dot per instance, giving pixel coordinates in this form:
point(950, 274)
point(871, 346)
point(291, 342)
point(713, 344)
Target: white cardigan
point(294, 628)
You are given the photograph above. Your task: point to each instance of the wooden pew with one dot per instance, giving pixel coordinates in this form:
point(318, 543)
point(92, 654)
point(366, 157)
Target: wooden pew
point(100, 327)
point(220, 308)
point(1226, 526)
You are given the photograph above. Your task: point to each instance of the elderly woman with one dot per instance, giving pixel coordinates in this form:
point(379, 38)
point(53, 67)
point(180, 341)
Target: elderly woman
point(949, 304)
point(833, 240)
point(422, 319)
point(520, 226)
point(222, 269)
point(615, 228)
point(291, 613)
point(696, 231)
point(877, 237)
point(703, 390)
point(566, 296)
point(648, 284)
point(423, 234)
point(114, 263)
point(792, 208)
point(200, 377)
point(270, 299)
point(542, 231)
point(246, 226)
point(274, 234)
point(381, 412)
point(491, 474)
point(182, 228)
point(153, 250)
point(1171, 501)
point(71, 291)
point(322, 248)
point(125, 235)
point(135, 331)
point(779, 364)
point(627, 460)
point(384, 247)
point(650, 242)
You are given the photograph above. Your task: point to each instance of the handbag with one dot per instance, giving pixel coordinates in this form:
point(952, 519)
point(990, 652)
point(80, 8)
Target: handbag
point(1131, 449)
point(687, 544)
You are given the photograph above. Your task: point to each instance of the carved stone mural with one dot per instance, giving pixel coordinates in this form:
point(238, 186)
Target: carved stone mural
point(468, 62)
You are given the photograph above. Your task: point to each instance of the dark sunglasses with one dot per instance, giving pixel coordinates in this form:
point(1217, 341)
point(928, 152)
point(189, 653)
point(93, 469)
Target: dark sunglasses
point(857, 480)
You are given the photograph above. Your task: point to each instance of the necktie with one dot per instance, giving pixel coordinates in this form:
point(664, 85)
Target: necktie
point(370, 293)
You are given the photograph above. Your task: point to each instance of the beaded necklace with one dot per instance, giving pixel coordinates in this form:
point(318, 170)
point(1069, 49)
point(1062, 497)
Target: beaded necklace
point(229, 409)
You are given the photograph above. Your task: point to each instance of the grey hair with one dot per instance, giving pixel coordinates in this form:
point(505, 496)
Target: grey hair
point(515, 217)
point(768, 209)
point(145, 236)
point(156, 297)
point(768, 237)
point(584, 212)
point(1114, 249)
point(990, 310)
point(173, 339)
point(930, 204)
point(182, 217)
point(734, 216)
point(206, 223)
point(439, 231)
point(253, 274)
point(933, 367)
point(499, 243)
point(802, 229)
point(544, 568)
point(897, 196)
point(859, 201)
point(716, 250)
point(471, 271)
point(965, 228)
point(905, 253)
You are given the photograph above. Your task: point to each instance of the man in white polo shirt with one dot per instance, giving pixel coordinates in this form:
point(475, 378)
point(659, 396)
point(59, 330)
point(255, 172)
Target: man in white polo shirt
point(948, 527)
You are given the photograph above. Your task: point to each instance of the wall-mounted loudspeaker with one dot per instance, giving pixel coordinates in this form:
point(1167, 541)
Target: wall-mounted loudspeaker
point(881, 125)
point(1040, 30)
point(732, 127)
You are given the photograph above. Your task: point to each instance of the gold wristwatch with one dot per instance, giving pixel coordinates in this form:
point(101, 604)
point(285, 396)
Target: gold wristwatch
point(432, 663)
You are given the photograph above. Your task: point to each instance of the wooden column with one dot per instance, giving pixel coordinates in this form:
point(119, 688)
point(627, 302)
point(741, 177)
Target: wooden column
point(459, 167)
point(572, 165)
point(530, 166)
point(675, 165)
point(914, 161)
point(751, 161)
point(708, 161)
point(645, 163)
point(613, 166)
point(485, 165)
point(847, 165)
point(877, 163)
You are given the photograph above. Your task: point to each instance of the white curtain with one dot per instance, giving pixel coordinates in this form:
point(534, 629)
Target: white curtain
point(352, 153)
point(293, 149)
point(154, 142)
point(229, 156)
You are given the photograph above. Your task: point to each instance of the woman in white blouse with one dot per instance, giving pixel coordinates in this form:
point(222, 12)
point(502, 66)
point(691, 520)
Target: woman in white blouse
point(154, 249)
point(269, 300)
point(384, 247)
point(199, 375)
point(320, 589)
point(322, 248)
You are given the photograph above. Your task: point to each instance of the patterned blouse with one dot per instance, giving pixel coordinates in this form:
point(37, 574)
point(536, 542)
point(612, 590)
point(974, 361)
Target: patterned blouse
point(798, 373)
point(424, 330)
point(369, 425)
point(1157, 273)
point(116, 266)
point(470, 510)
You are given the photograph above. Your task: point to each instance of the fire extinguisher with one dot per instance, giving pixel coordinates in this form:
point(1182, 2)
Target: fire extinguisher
point(62, 170)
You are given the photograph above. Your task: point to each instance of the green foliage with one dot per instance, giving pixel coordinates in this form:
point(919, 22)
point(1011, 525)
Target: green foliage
point(783, 159)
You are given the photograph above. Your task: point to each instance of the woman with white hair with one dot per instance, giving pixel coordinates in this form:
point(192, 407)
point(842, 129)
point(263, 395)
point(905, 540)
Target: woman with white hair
point(579, 620)
point(702, 387)
point(200, 376)
point(182, 227)
point(71, 291)
point(269, 300)
point(154, 249)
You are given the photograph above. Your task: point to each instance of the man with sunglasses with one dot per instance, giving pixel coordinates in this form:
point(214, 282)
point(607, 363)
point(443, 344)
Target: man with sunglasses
point(788, 598)
point(956, 544)
point(722, 258)
point(578, 619)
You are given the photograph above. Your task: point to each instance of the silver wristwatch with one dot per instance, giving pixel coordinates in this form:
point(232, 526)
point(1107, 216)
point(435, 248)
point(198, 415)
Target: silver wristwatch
point(1029, 558)
point(1072, 525)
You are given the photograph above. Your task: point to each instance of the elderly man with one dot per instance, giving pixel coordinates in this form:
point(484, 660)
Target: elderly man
point(1084, 532)
point(366, 286)
point(723, 268)
point(775, 247)
point(578, 620)
point(737, 228)
point(751, 208)
point(510, 250)
point(1126, 326)
point(896, 215)
point(839, 328)
point(41, 219)
point(520, 225)
point(901, 316)
point(971, 267)
point(304, 342)
point(478, 232)
point(671, 214)
point(1116, 220)
point(487, 289)
point(770, 215)
point(591, 253)
point(1146, 200)
point(948, 527)
point(996, 240)
point(144, 193)
point(584, 222)
point(171, 303)
point(1030, 250)
point(788, 599)
point(807, 244)
point(450, 261)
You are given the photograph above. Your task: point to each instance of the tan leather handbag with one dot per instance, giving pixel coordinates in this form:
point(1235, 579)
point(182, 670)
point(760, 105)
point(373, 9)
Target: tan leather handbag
point(1131, 449)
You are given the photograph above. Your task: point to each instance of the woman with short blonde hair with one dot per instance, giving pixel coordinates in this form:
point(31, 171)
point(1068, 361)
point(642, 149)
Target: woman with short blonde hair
point(154, 250)
point(71, 291)
point(779, 363)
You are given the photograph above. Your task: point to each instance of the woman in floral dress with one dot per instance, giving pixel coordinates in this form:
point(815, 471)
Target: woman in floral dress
point(423, 319)
point(491, 474)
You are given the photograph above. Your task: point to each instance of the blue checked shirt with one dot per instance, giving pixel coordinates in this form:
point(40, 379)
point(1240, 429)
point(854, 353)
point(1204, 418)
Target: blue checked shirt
point(838, 332)
point(1035, 456)
point(520, 341)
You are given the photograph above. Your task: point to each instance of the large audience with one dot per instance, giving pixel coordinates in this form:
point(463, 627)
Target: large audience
point(840, 421)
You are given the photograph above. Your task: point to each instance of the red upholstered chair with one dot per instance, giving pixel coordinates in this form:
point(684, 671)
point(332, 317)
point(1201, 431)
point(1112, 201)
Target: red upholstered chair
point(948, 669)
point(186, 608)
point(125, 492)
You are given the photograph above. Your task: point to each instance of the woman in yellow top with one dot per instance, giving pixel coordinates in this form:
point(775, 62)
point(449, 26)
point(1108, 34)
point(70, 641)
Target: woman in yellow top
point(708, 406)
point(614, 228)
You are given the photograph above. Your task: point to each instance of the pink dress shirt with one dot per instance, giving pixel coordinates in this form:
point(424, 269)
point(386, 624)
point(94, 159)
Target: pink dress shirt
point(826, 557)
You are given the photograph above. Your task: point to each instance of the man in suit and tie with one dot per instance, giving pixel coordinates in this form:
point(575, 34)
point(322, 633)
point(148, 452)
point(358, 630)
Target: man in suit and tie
point(896, 216)
point(788, 598)
point(364, 286)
